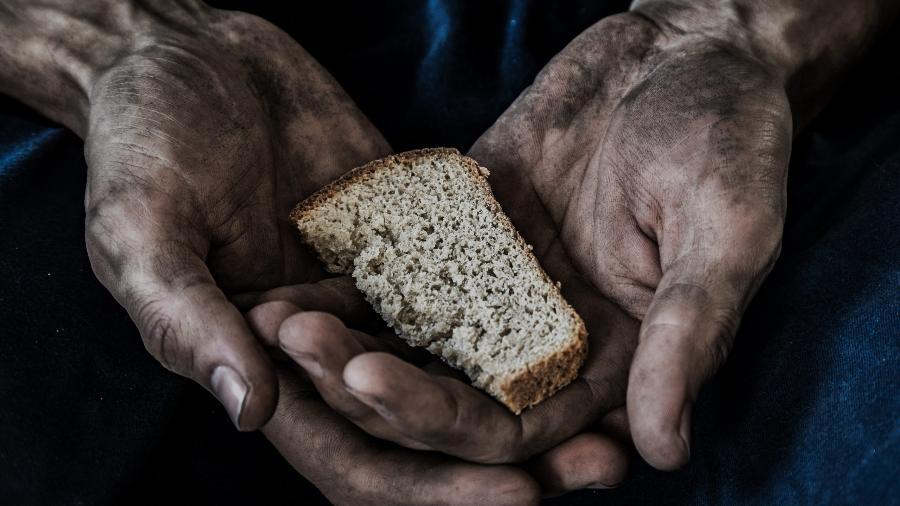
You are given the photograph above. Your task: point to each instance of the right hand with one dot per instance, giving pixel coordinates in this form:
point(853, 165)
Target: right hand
point(203, 132)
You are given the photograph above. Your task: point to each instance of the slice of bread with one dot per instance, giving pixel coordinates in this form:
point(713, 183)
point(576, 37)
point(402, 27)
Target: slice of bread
point(431, 250)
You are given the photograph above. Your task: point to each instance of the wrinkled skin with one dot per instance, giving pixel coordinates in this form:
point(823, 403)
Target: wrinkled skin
point(646, 165)
point(648, 170)
point(198, 147)
point(349, 466)
point(657, 164)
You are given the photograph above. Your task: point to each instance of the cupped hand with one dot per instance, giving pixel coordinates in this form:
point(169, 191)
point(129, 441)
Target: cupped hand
point(346, 464)
point(204, 131)
point(647, 167)
point(656, 160)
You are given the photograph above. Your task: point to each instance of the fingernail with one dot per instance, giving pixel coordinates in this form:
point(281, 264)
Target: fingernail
point(231, 390)
point(685, 427)
point(309, 364)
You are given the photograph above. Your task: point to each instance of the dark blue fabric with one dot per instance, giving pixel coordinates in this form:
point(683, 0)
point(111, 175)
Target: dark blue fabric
point(806, 411)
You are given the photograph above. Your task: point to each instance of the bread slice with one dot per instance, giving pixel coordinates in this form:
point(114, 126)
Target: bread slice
point(431, 250)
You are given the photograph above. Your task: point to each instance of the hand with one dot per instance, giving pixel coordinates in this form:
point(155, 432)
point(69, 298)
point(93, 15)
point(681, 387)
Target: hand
point(197, 149)
point(317, 340)
point(647, 168)
point(657, 161)
point(202, 134)
point(348, 466)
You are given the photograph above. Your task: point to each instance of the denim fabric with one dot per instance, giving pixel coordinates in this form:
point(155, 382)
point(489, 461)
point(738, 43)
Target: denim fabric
point(806, 410)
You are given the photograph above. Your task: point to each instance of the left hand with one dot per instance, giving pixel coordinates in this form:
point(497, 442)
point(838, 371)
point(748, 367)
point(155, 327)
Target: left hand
point(347, 465)
point(200, 135)
point(647, 167)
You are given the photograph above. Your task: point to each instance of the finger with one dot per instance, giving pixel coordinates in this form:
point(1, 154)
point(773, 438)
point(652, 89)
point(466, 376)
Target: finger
point(466, 423)
point(688, 332)
point(338, 296)
point(588, 460)
point(185, 321)
point(322, 346)
point(351, 468)
point(440, 412)
point(540, 428)
point(615, 424)
point(450, 416)
point(265, 320)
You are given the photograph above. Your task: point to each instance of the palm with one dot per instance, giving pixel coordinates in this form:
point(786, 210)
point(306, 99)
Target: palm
point(623, 163)
point(218, 155)
point(612, 332)
point(197, 146)
point(544, 154)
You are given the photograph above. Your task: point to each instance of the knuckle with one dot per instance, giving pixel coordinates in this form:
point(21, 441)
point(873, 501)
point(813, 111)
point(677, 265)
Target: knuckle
point(174, 265)
point(161, 336)
point(717, 347)
point(714, 352)
point(603, 391)
point(686, 290)
point(102, 248)
point(103, 220)
point(446, 433)
point(510, 447)
point(727, 319)
point(120, 173)
point(110, 233)
point(621, 284)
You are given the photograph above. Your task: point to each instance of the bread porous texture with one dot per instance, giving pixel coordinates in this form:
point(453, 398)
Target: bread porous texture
point(431, 250)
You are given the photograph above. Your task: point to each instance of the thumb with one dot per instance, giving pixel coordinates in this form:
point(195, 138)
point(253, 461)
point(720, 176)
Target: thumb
point(185, 320)
point(685, 337)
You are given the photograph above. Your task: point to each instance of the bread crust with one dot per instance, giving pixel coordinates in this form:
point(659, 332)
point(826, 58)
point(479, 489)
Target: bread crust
point(536, 381)
point(360, 174)
point(543, 379)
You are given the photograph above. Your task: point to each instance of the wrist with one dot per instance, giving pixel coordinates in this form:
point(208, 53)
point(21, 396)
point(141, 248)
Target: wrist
point(805, 45)
point(52, 52)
